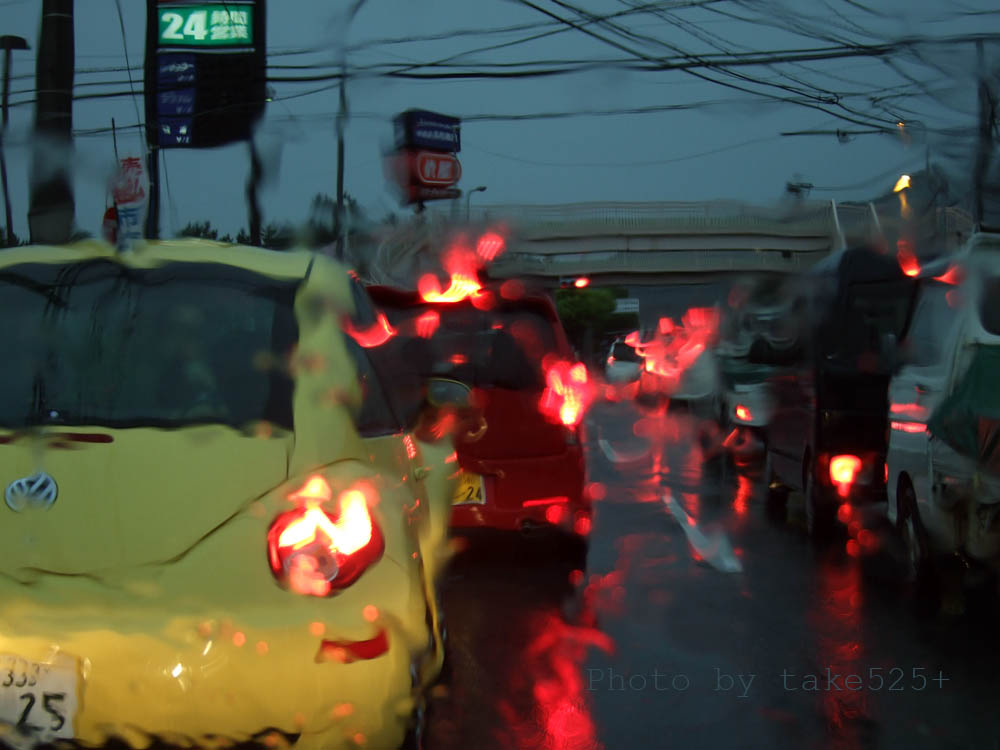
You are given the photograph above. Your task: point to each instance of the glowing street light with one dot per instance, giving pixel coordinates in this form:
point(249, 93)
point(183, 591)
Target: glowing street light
point(902, 183)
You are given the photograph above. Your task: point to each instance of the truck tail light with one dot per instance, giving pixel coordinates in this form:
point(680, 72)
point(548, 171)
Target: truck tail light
point(843, 471)
point(743, 413)
point(318, 551)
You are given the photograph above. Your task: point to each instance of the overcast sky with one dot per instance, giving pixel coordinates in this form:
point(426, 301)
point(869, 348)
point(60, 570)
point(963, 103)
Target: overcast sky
point(727, 146)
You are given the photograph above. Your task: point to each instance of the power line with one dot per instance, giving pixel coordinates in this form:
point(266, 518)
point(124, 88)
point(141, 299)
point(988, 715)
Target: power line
point(692, 72)
point(128, 65)
point(643, 163)
point(871, 180)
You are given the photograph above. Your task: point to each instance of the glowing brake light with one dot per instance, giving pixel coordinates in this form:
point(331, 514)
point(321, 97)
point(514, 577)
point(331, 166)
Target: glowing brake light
point(427, 323)
point(490, 245)
point(315, 551)
point(743, 413)
point(568, 392)
point(913, 410)
point(581, 282)
point(462, 286)
point(375, 335)
point(911, 427)
point(907, 259)
point(843, 471)
point(952, 276)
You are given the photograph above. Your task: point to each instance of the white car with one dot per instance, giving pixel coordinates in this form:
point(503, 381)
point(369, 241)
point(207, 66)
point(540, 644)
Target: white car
point(944, 500)
point(623, 365)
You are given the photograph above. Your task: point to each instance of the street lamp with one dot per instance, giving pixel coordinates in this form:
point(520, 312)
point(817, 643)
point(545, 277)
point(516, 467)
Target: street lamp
point(468, 199)
point(7, 44)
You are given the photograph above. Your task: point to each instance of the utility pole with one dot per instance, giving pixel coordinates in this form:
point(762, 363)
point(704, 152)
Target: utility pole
point(256, 172)
point(338, 221)
point(984, 152)
point(153, 210)
point(341, 117)
point(9, 43)
point(50, 216)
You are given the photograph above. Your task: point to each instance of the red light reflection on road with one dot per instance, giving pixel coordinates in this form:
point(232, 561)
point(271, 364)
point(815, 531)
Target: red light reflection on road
point(744, 488)
point(560, 718)
point(836, 621)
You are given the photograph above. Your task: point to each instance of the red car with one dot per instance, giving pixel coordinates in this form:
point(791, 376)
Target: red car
point(521, 469)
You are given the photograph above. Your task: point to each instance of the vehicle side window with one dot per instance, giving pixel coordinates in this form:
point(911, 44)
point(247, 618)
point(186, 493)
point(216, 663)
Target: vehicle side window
point(929, 330)
point(989, 306)
point(624, 353)
point(377, 416)
point(392, 370)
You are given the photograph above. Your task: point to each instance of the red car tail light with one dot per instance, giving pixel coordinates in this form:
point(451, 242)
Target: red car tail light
point(843, 471)
point(743, 413)
point(318, 552)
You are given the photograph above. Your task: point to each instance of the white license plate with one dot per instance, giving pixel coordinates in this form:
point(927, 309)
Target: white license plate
point(40, 699)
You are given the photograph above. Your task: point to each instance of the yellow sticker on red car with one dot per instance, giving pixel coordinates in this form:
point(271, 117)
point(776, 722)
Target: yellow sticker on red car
point(470, 490)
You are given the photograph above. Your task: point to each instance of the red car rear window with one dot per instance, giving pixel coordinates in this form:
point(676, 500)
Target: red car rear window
point(485, 349)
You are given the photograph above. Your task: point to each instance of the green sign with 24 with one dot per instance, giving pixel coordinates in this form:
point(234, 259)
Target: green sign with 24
point(206, 25)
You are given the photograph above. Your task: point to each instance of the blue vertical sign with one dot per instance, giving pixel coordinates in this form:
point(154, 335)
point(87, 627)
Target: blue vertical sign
point(177, 81)
point(206, 71)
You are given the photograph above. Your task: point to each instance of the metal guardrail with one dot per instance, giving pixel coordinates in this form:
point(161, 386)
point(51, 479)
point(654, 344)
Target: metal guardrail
point(711, 217)
point(673, 237)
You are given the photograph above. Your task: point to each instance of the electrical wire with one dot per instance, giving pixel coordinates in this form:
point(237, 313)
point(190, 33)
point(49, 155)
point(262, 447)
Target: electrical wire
point(871, 180)
point(128, 66)
point(643, 163)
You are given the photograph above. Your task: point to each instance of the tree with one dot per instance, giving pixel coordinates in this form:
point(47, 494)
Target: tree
point(278, 236)
point(321, 227)
point(10, 241)
point(589, 316)
point(203, 230)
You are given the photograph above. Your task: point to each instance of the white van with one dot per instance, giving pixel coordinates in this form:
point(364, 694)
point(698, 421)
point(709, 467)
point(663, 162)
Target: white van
point(943, 462)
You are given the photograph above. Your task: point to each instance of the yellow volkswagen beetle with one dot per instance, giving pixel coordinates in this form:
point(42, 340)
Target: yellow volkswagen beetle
point(216, 525)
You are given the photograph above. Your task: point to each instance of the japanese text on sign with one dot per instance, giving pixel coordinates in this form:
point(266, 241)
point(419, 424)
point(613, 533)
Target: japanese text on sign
point(205, 25)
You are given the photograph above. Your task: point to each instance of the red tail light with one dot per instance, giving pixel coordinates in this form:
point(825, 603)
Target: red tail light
point(316, 551)
point(843, 471)
point(743, 413)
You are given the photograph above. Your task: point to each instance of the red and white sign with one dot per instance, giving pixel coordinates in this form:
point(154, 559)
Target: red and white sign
point(131, 191)
point(109, 227)
point(437, 169)
point(423, 175)
point(132, 185)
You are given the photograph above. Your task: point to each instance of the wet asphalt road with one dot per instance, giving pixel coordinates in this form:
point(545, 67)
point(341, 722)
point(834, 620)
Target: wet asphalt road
point(654, 648)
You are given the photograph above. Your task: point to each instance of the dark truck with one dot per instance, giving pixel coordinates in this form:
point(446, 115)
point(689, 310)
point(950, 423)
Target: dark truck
point(829, 431)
